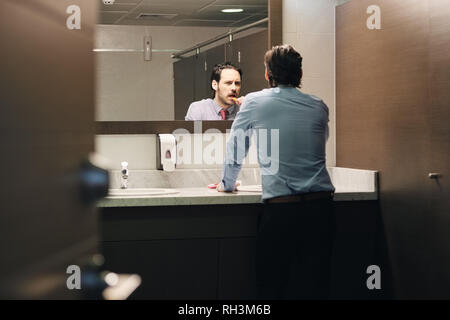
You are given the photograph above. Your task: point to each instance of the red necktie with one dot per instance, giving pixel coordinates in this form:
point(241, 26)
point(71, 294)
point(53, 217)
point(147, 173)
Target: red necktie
point(223, 113)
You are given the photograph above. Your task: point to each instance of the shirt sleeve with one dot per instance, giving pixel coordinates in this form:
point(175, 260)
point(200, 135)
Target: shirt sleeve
point(237, 145)
point(192, 114)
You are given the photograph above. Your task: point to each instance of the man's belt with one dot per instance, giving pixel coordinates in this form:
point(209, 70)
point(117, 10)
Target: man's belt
point(302, 197)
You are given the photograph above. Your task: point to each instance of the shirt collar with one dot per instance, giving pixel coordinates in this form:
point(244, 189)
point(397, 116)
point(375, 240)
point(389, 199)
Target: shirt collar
point(217, 108)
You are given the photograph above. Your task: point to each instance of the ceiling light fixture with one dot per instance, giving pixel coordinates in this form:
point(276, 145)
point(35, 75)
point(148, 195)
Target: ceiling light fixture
point(232, 10)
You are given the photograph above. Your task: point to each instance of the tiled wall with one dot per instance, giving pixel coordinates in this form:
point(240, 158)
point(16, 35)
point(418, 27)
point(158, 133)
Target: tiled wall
point(309, 26)
point(138, 150)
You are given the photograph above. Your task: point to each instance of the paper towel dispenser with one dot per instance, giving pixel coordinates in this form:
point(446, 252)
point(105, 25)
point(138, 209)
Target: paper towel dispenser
point(166, 152)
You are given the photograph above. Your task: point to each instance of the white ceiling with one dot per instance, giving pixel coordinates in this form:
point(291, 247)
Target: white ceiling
point(182, 12)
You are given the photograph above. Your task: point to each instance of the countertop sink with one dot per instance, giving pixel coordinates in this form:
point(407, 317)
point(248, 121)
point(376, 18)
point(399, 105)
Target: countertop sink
point(140, 192)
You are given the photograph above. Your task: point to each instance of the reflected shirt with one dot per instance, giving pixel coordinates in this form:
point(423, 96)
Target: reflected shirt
point(208, 109)
point(291, 130)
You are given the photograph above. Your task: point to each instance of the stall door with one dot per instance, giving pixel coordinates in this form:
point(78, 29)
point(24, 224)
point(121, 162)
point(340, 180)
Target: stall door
point(47, 103)
point(392, 94)
point(201, 77)
point(213, 56)
point(439, 126)
point(251, 60)
point(183, 81)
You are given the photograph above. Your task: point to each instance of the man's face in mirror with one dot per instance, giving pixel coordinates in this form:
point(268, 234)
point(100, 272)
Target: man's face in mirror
point(229, 87)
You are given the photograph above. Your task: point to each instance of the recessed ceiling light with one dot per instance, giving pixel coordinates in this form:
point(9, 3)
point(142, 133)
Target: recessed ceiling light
point(232, 10)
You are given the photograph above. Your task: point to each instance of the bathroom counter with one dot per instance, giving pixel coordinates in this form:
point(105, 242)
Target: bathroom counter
point(205, 196)
point(213, 235)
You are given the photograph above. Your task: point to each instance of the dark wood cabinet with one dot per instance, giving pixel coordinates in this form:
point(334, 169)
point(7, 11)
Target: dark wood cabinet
point(237, 270)
point(184, 252)
point(170, 269)
point(208, 252)
point(359, 243)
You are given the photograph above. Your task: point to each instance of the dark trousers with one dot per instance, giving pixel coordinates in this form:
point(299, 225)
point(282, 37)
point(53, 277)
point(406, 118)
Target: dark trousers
point(294, 249)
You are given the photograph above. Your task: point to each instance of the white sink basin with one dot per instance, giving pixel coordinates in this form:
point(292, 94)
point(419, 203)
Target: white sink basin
point(139, 192)
point(250, 188)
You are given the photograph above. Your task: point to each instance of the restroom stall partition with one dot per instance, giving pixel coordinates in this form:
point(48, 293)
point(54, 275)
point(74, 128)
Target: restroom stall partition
point(192, 75)
point(204, 68)
point(184, 85)
point(47, 131)
point(393, 115)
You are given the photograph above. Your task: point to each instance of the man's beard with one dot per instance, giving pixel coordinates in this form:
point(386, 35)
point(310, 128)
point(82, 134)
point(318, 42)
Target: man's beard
point(224, 101)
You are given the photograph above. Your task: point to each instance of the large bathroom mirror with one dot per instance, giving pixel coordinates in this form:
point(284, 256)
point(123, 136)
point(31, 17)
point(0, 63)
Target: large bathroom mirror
point(141, 75)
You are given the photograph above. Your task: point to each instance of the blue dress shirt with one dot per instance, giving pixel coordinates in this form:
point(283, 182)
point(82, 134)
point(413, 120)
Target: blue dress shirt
point(291, 130)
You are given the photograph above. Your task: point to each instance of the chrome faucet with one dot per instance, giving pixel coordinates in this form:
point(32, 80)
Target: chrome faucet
point(124, 175)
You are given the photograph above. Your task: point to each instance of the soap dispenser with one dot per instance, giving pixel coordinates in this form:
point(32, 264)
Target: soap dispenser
point(167, 152)
point(124, 175)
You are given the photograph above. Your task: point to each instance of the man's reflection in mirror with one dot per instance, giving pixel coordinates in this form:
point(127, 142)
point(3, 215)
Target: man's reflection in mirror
point(226, 86)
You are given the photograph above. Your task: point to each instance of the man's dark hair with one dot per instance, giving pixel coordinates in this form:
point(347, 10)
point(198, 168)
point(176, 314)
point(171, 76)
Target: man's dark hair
point(284, 66)
point(217, 71)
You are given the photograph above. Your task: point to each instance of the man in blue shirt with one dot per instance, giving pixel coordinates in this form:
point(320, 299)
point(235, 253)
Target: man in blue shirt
point(295, 229)
point(226, 84)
